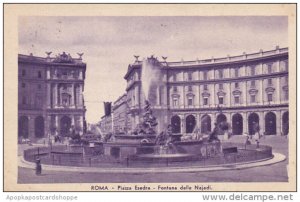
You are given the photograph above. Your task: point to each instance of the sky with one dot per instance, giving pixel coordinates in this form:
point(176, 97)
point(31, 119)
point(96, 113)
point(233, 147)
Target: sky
point(109, 43)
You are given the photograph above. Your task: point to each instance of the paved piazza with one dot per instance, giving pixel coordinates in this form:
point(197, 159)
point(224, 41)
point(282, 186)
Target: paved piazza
point(271, 173)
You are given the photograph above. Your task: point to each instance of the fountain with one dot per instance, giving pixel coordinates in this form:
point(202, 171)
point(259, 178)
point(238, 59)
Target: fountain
point(145, 141)
point(146, 144)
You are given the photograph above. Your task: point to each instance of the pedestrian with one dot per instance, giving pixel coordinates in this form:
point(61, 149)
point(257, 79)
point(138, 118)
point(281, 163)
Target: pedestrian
point(248, 142)
point(38, 166)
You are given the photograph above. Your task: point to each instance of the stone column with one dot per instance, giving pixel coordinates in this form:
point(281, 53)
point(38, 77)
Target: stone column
point(31, 128)
point(261, 121)
point(246, 94)
point(72, 101)
point(80, 74)
point(278, 90)
point(80, 99)
point(229, 117)
point(213, 95)
point(183, 96)
point(48, 95)
point(48, 125)
point(229, 95)
point(261, 82)
point(166, 96)
point(245, 122)
point(48, 74)
point(182, 124)
point(55, 95)
point(158, 96)
point(56, 124)
point(199, 96)
point(137, 95)
point(81, 124)
point(213, 120)
point(198, 120)
point(278, 123)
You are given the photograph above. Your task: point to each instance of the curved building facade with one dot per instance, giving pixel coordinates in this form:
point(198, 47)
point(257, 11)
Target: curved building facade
point(243, 90)
point(50, 99)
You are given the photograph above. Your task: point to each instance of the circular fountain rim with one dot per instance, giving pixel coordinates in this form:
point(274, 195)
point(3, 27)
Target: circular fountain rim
point(276, 158)
point(164, 156)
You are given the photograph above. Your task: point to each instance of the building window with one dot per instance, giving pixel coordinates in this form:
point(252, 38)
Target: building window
point(205, 87)
point(190, 88)
point(175, 102)
point(253, 83)
point(66, 99)
point(286, 79)
point(252, 70)
point(221, 74)
point(236, 100)
point(39, 86)
point(205, 75)
point(38, 101)
point(236, 84)
point(221, 100)
point(205, 101)
point(190, 101)
point(190, 76)
point(23, 85)
point(64, 87)
point(269, 81)
point(270, 97)
point(236, 72)
point(253, 98)
point(23, 72)
point(270, 70)
point(175, 89)
point(39, 74)
point(220, 86)
point(175, 77)
point(286, 95)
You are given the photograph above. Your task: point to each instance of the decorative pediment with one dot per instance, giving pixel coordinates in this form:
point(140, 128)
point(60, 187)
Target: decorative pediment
point(253, 91)
point(270, 89)
point(205, 94)
point(190, 94)
point(63, 58)
point(236, 92)
point(175, 95)
point(221, 94)
point(285, 88)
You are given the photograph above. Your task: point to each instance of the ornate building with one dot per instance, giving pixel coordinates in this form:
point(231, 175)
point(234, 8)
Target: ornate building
point(243, 90)
point(120, 111)
point(50, 99)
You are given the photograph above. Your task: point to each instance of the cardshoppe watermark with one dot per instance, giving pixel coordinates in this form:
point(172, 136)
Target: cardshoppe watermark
point(52, 197)
point(144, 187)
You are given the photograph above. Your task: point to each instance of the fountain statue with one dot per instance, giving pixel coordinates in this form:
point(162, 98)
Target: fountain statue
point(147, 127)
point(149, 120)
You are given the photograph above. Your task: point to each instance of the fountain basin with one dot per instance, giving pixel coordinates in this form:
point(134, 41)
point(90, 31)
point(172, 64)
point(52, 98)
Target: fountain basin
point(178, 157)
point(133, 138)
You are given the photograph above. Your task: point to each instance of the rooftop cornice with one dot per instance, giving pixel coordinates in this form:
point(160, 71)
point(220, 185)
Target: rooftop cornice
point(219, 61)
point(61, 59)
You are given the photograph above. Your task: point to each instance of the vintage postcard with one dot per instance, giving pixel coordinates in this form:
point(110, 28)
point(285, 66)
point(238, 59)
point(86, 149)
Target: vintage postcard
point(150, 97)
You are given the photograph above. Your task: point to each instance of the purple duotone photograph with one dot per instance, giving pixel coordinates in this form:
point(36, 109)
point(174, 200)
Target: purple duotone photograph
point(175, 99)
